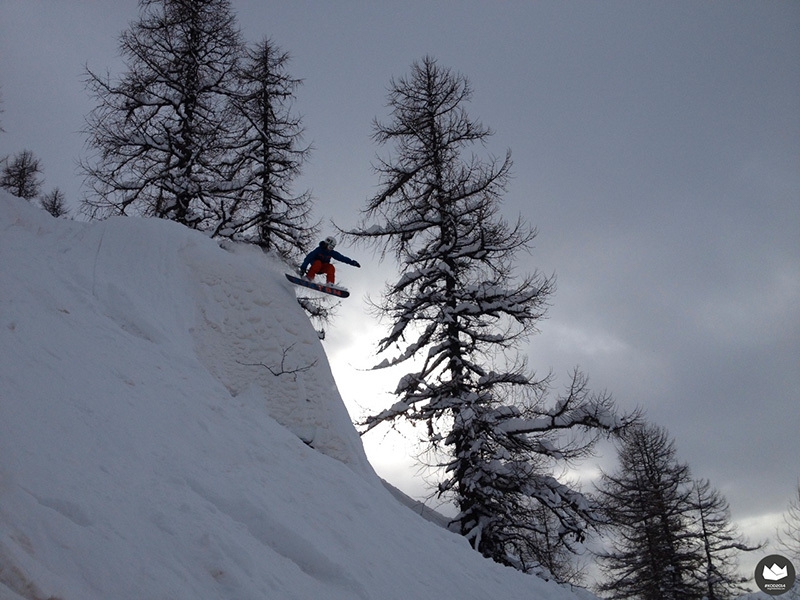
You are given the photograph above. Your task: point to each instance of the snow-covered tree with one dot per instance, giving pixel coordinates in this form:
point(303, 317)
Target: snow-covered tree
point(648, 501)
point(458, 313)
point(161, 134)
point(270, 154)
point(21, 175)
point(547, 549)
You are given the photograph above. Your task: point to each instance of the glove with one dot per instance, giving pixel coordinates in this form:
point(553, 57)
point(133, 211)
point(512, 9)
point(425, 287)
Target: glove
point(301, 271)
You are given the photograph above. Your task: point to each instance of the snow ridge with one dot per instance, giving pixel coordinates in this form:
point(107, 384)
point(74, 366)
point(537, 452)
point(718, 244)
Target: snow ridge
point(170, 428)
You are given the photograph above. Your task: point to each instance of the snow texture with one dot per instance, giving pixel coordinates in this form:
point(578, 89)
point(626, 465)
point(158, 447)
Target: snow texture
point(170, 428)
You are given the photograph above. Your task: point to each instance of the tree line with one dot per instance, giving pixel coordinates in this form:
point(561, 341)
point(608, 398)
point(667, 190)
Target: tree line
point(201, 130)
point(21, 175)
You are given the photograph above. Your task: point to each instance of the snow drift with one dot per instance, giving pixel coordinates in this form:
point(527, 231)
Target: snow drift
point(170, 428)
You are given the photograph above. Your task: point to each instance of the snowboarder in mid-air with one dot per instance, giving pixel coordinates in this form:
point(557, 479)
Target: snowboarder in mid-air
point(320, 261)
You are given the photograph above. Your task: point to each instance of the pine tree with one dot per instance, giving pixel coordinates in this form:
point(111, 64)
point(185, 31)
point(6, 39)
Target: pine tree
point(270, 154)
point(21, 175)
point(460, 310)
point(648, 502)
point(161, 133)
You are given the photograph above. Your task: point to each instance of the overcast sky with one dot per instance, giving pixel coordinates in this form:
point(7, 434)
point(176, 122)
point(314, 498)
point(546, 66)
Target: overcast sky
point(656, 148)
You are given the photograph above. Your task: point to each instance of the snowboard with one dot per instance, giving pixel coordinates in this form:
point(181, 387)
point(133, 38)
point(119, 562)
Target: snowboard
point(325, 288)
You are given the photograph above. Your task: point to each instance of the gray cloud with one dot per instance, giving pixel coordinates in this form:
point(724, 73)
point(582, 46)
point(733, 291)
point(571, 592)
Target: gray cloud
point(656, 148)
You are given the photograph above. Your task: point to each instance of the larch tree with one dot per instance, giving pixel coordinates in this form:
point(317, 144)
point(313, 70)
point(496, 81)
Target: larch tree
point(789, 533)
point(458, 313)
point(648, 501)
point(672, 536)
point(271, 154)
point(720, 543)
point(161, 135)
point(21, 175)
point(55, 203)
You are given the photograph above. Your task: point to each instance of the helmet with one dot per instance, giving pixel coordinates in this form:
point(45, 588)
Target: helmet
point(330, 242)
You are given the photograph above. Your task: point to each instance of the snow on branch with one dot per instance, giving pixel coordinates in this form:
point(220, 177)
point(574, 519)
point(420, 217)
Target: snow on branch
point(578, 408)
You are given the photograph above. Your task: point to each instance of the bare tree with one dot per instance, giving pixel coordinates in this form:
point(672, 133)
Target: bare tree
point(161, 134)
point(720, 542)
point(648, 502)
point(55, 203)
point(270, 154)
point(21, 175)
point(672, 536)
point(789, 534)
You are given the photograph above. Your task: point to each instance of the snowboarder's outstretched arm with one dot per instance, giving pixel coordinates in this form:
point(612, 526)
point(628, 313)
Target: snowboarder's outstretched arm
point(341, 257)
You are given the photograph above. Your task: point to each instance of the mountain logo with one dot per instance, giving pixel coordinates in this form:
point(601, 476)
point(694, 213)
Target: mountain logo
point(775, 575)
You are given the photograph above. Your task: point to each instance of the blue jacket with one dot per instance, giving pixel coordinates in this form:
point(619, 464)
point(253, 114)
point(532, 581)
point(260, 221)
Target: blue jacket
point(324, 254)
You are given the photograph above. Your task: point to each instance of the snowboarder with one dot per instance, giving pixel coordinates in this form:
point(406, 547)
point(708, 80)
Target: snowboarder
point(320, 260)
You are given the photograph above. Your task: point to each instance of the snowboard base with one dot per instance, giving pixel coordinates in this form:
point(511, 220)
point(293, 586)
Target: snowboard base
point(325, 288)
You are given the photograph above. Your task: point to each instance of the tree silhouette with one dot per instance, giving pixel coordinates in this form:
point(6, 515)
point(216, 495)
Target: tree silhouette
point(160, 134)
point(458, 312)
point(21, 175)
point(270, 154)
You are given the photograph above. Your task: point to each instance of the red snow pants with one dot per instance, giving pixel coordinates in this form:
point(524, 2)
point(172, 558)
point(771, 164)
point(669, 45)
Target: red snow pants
point(320, 267)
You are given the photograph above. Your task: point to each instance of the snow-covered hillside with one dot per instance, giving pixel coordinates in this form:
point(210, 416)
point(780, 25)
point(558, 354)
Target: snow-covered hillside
point(170, 429)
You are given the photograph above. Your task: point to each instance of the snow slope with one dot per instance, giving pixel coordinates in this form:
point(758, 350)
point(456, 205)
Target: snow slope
point(170, 429)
